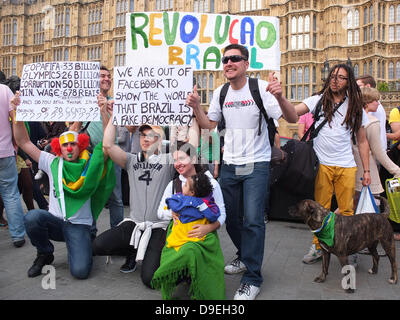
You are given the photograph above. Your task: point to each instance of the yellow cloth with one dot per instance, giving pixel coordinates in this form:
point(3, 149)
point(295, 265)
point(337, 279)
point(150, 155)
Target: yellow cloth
point(394, 116)
point(179, 233)
point(78, 183)
point(340, 180)
point(20, 164)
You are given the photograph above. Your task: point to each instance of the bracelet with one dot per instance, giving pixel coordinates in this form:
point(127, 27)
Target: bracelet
point(366, 171)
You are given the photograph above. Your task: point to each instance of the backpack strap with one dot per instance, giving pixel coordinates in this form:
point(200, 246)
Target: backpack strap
point(222, 96)
point(312, 131)
point(255, 93)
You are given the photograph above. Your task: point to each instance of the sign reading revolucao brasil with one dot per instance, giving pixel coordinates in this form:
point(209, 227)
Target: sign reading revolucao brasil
point(197, 39)
point(59, 91)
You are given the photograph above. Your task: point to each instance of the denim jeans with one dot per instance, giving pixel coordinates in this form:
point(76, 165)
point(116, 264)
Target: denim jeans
point(11, 197)
point(244, 188)
point(42, 226)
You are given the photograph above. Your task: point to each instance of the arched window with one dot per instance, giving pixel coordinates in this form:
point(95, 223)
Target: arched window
point(356, 73)
point(350, 19)
point(391, 70)
point(300, 75)
point(307, 24)
point(300, 25)
point(398, 13)
point(356, 18)
point(294, 25)
point(398, 70)
point(293, 76)
point(391, 14)
point(306, 75)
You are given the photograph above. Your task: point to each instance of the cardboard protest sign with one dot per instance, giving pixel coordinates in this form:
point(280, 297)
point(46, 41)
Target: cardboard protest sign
point(59, 91)
point(196, 39)
point(152, 94)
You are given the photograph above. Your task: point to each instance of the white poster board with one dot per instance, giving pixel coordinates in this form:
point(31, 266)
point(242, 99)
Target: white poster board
point(197, 39)
point(152, 94)
point(59, 91)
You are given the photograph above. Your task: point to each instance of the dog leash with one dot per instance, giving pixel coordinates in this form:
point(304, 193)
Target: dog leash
point(327, 220)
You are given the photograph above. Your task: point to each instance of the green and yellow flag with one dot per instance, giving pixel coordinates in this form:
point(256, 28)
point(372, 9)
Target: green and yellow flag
point(89, 177)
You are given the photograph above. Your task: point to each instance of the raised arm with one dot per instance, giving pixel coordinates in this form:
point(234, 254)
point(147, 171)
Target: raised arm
point(21, 135)
point(110, 148)
point(289, 111)
point(193, 100)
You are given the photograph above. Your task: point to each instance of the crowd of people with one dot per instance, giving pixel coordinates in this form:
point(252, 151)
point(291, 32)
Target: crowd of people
point(177, 203)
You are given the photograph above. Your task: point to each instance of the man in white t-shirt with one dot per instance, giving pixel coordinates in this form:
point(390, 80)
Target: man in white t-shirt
point(337, 170)
point(79, 185)
point(245, 169)
point(380, 113)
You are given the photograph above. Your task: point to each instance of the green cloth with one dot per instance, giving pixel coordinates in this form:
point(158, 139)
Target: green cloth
point(95, 186)
point(327, 234)
point(202, 261)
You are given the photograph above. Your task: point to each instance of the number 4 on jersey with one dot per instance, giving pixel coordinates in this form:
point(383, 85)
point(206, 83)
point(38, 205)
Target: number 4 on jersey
point(146, 177)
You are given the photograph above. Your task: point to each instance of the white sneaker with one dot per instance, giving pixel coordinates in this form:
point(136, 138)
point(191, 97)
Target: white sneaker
point(246, 292)
point(39, 175)
point(236, 266)
point(313, 255)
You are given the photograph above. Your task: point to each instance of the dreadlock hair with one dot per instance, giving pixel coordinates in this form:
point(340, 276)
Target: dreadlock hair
point(353, 116)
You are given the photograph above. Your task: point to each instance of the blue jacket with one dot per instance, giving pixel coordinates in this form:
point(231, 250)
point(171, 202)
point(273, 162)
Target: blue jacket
point(192, 208)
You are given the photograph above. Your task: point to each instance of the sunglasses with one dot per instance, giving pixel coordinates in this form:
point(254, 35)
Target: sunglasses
point(235, 58)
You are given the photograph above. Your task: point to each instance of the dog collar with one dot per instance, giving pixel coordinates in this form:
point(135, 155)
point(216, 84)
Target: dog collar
point(327, 219)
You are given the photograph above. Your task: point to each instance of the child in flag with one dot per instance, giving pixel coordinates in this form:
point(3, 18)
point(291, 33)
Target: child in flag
point(195, 205)
point(79, 185)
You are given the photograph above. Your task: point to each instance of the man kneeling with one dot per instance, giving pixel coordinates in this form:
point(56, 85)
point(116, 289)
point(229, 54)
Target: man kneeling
point(79, 185)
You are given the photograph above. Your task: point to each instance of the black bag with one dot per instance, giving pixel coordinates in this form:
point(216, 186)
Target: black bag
point(302, 163)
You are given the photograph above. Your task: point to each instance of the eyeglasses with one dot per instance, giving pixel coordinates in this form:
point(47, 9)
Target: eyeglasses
point(150, 136)
point(340, 78)
point(235, 58)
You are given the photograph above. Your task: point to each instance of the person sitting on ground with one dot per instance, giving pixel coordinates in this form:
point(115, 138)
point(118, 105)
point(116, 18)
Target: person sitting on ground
point(140, 237)
point(80, 184)
point(199, 262)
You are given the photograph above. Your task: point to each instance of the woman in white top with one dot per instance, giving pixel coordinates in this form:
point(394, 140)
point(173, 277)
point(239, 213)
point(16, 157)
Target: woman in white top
point(201, 261)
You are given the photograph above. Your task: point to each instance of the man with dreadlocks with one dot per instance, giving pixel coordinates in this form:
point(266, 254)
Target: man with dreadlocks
point(342, 106)
point(80, 183)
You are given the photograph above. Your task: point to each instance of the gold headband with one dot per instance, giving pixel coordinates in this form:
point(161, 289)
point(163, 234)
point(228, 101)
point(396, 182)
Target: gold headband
point(68, 136)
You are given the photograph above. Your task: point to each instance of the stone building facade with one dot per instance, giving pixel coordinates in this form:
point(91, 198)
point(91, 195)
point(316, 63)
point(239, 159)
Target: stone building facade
point(313, 34)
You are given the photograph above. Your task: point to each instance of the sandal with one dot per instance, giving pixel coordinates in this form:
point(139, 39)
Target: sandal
point(396, 236)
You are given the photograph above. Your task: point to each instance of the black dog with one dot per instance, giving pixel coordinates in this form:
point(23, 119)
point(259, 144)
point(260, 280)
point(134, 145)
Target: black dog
point(352, 234)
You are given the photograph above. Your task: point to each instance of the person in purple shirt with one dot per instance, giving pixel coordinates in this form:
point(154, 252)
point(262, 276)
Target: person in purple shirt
point(8, 170)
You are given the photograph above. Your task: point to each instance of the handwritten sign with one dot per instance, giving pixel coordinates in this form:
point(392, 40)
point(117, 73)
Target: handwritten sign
point(59, 91)
point(197, 39)
point(152, 94)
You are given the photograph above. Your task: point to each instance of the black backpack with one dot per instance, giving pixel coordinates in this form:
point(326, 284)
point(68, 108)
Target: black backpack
point(255, 93)
point(302, 162)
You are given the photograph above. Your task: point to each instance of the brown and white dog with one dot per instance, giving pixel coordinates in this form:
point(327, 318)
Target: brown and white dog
point(352, 234)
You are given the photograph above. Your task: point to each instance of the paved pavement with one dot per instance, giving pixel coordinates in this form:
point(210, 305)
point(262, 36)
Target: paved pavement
point(285, 276)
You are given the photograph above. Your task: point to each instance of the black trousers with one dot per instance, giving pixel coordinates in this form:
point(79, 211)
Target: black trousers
point(115, 241)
